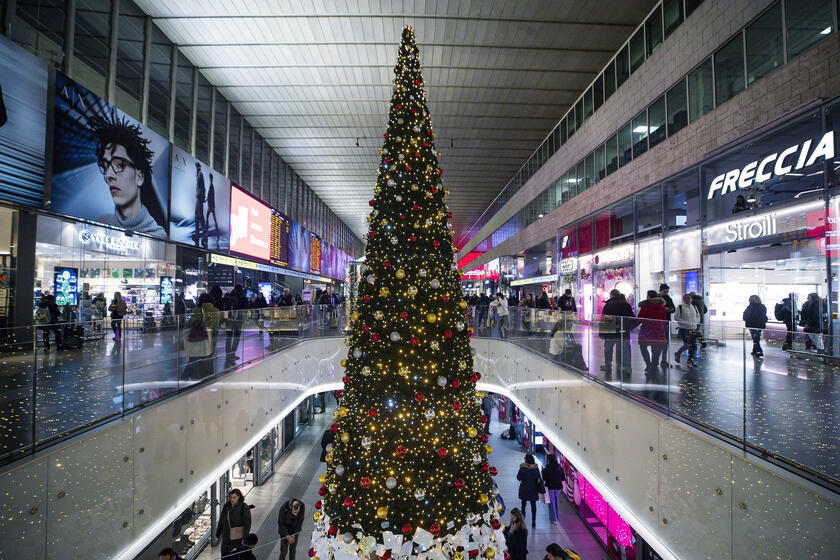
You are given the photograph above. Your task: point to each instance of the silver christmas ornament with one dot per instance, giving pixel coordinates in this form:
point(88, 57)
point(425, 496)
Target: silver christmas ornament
point(422, 272)
point(366, 370)
point(371, 278)
point(394, 336)
point(339, 470)
point(398, 198)
point(394, 241)
point(429, 414)
point(357, 353)
point(442, 381)
point(419, 494)
point(435, 284)
point(390, 483)
point(459, 325)
point(366, 441)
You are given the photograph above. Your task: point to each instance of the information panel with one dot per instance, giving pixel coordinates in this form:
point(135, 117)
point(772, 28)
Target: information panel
point(279, 239)
point(315, 255)
point(66, 286)
point(166, 290)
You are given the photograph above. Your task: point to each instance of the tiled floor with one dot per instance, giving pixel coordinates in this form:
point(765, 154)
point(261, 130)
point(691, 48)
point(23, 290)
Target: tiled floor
point(296, 475)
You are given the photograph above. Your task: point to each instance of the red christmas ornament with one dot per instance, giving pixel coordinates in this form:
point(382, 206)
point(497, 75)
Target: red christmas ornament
point(456, 405)
point(365, 328)
point(494, 471)
point(435, 243)
point(428, 133)
point(419, 397)
point(434, 190)
point(477, 375)
point(407, 167)
point(318, 504)
point(483, 418)
point(346, 379)
point(418, 82)
point(415, 207)
point(495, 523)
point(372, 413)
point(507, 556)
point(407, 529)
point(364, 481)
point(322, 491)
point(474, 377)
point(372, 234)
point(368, 298)
point(445, 298)
point(416, 154)
point(413, 237)
point(370, 202)
point(434, 528)
point(334, 427)
point(459, 483)
point(311, 552)
point(403, 315)
point(449, 214)
point(401, 450)
point(352, 322)
point(485, 467)
point(447, 334)
point(469, 332)
point(374, 337)
point(385, 135)
point(333, 530)
point(425, 144)
point(399, 105)
point(348, 502)
point(385, 555)
point(414, 341)
point(456, 383)
point(484, 438)
point(414, 111)
point(442, 451)
point(466, 313)
point(339, 393)
point(473, 553)
point(402, 216)
point(387, 264)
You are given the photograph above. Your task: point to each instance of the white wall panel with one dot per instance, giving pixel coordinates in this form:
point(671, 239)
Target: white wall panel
point(596, 418)
point(204, 432)
point(24, 520)
point(89, 485)
point(635, 436)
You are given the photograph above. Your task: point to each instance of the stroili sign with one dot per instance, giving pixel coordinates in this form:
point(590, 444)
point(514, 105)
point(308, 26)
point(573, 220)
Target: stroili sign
point(774, 165)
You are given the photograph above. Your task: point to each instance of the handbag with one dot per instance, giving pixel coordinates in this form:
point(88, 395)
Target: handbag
point(197, 340)
point(236, 533)
point(540, 486)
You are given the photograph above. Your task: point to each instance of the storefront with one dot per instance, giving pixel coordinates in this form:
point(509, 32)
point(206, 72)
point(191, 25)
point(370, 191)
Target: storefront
point(77, 261)
point(754, 219)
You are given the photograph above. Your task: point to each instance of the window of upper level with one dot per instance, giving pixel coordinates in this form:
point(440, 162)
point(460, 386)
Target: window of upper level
point(653, 30)
point(637, 49)
point(765, 44)
point(807, 21)
point(729, 70)
point(701, 90)
point(677, 109)
point(672, 15)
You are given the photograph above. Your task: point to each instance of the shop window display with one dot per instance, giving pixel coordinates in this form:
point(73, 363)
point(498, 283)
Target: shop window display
point(585, 291)
point(191, 530)
point(683, 251)
point(650, 265)
point(613, 269)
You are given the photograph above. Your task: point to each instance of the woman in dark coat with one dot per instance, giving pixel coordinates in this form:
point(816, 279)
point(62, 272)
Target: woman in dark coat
point(529, 475)
point(327, 438)
point(516, 536)
point(755, 319)
point(235, 514)
point(811, 318)
point(554, 477)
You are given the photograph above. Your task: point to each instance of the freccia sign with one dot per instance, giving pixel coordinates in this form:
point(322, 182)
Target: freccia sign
point(774, 165)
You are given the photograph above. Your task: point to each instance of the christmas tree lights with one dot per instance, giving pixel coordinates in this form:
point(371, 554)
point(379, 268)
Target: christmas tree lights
point(408, 474)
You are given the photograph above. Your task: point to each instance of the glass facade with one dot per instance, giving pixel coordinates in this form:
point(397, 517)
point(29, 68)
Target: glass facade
point(729, 70)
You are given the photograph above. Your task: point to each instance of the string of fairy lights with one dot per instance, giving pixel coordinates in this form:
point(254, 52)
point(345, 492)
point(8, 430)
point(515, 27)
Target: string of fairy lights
point(409, 450)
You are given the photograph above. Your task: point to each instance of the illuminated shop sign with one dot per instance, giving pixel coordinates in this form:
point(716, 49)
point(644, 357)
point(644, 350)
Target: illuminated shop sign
point(568, 266)
point(242, 263)
point(774, 165)
point(535, 280)
point(112, 242)
point(622, 253)
point(794, 220)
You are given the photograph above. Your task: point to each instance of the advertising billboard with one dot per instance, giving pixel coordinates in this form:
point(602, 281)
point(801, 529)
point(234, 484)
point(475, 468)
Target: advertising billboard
point(250, 225)
point(199, 208)
point(23, 124)
point(166, 290)
point(66, 286)
point(300, 241)
point(107, 167)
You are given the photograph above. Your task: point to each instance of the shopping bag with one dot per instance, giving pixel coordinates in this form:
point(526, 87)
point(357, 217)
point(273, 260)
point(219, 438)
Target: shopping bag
point(198, 342)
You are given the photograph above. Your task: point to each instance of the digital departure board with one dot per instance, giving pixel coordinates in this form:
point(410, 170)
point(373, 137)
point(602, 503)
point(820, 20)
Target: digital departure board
point(279, 239)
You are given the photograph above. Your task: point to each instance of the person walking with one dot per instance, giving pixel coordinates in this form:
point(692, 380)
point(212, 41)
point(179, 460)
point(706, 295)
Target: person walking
point(289, 524)
point(516, 536)
point(47, 317)
point(653, 334)
point(529, 484)
point(785, 311)
point(234, 522)
point(566, 302)
point(499, 305)
point(688, 318)
point(664, 290)
point(755, 319)
point(614, 328)
point(554, 478)
point(481, 308)
point(698, 302)
point(234, 303)
point(327, 439)
point(487, 406)
point(118, 311)
point(811, 318)
point(205, 317)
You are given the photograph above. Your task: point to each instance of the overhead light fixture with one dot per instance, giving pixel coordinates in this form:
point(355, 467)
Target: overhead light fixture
point(357, 142)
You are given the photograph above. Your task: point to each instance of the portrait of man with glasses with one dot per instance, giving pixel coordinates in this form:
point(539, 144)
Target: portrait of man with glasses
point(125, 162)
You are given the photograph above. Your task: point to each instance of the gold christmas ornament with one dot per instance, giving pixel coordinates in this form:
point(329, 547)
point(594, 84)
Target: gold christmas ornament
point(400, 274)
point(431, 317)
point(490, 553)
point(472, 432)
point(462, 304)
point(483, 499)
point(345, 437)
point(382, 512)
point(322, 479)
point(488, 448)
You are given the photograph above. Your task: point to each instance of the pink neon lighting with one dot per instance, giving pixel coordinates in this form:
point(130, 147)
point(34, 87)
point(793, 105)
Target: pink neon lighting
point(605, 513)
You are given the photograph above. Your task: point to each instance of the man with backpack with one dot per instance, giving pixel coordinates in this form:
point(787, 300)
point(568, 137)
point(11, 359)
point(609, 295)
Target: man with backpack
point(785, 311)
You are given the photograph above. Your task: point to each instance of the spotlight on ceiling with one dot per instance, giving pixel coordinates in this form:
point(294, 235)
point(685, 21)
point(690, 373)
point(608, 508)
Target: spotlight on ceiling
point(357, 142)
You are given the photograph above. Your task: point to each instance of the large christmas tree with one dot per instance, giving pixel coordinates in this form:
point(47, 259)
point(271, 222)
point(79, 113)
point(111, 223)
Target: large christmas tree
point(408, 473)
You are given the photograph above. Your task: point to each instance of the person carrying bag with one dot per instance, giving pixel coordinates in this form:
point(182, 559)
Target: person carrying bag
point(198, 339)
